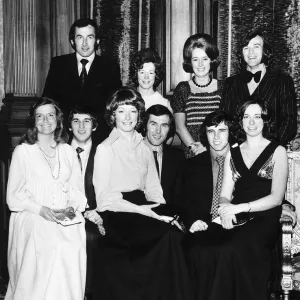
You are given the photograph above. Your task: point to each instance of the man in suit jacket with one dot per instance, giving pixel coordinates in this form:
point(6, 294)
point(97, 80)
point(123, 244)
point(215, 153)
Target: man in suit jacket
point(158, 127)
point(82, 123)
point(256, 78)
point(83, 78)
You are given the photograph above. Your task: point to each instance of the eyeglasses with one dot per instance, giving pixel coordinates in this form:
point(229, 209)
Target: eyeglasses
point(42, 117)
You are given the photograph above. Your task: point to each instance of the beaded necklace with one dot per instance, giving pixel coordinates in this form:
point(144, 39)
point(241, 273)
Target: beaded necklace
point(55, 177)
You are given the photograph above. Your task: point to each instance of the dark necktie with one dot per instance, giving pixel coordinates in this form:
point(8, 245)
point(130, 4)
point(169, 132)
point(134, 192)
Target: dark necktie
point(156, 162)
point(217, 190)
point(247, 76)
point(79, 150)
point(83, 74)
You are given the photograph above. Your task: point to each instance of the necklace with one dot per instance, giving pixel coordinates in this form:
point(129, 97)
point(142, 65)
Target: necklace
point(45, 152)
point(55, 177)
point(202, 86)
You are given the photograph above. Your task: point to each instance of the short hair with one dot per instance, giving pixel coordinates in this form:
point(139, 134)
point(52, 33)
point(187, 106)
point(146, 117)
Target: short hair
point(82, 110)
point(267, 57)
point(207, 44)
point(146, 55)
point(158, 110)
point(83, 23)
point(124, 96)
point(266, 115)
point(214, 119)
point(31, 135)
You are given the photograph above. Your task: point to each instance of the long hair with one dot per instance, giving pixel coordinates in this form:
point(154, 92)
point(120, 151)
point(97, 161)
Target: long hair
point(124, 96)
point(207, 44)
point(31, 135)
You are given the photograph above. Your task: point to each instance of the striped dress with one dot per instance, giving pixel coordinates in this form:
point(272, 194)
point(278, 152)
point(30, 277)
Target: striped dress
point(196, 106)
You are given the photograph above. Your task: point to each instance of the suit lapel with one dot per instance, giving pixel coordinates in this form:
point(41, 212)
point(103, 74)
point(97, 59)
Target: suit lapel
point(73, 69)
point(166, 166)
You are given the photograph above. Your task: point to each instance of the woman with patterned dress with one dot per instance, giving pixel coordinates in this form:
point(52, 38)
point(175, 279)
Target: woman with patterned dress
point(46, 259)
point(194, 99)
point(231, 259)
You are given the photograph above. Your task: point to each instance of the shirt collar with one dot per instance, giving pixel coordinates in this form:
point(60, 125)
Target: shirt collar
point(117, 135)
point(87, 147)
point(159, 148)
point(89, 58)
point(214, 154)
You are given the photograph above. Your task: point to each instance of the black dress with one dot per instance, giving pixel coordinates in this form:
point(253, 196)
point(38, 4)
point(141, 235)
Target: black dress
point(235, 264)
point(141, 257)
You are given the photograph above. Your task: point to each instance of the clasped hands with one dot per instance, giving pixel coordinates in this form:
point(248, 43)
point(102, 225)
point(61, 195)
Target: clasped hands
point(94, 217)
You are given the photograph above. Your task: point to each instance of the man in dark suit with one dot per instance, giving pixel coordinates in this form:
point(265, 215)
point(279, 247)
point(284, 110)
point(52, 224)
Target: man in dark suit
point(83, 78)
point(257, 78)
point(82, 123)
point(158, 127)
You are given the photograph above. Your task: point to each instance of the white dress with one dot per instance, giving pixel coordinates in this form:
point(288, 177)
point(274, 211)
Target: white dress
point(157, 98)
point(46, 260)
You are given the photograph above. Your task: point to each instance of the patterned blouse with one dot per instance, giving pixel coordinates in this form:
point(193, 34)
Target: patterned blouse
point(196, 106)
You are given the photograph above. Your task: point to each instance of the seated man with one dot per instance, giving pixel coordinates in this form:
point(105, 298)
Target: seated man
point(82, 123)
point(216, 135)
point(158, 127)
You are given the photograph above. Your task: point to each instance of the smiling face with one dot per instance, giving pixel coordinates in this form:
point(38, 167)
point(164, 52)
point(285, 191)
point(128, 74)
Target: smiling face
point(85, 40)
point(146, 76)
point(45, 119)
point(82, 128)
point(200, 63)
point(126, 118)
point(253, 123)
point(253, 52)
point(157, 129)
point(217, 137)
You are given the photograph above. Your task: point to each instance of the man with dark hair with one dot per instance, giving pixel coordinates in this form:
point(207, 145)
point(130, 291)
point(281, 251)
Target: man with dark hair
point(83, 78)
point(82, 123)
point(256, 77)
point(158, 127)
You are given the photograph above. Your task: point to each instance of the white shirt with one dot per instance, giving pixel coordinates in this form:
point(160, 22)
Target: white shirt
point(88, 65)
point(84, 155)
point(159, 150)
point(156, 98)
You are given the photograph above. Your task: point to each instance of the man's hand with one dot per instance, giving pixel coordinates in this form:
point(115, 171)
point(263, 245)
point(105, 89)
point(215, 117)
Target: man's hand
point(227, 221)
point(198, 226)
point(94, 217)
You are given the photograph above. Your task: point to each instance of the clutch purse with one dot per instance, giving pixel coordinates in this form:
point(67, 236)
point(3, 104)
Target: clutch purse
point(241, 219)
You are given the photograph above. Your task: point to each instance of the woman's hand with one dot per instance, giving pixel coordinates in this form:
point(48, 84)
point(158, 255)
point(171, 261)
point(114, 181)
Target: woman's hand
point(197, 148)
point(230, 209)
point(146, 210)
point(94, 217)
point(48, 214)
point(227, 221)
point(198, 226)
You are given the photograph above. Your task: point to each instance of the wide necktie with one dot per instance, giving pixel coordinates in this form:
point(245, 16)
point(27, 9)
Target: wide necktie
point(247, 76)
point(83, 74)
point(79, 150)
point(217, 190)
point(156, 162)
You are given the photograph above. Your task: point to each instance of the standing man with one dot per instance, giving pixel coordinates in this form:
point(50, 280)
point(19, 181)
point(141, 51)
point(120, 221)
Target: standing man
point(82, 123)
point(83, 78)
point(257, 78)
point(158, 127)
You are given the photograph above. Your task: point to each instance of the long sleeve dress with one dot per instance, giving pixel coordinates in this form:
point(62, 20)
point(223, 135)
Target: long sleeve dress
point(46, 260)
point(142, 257)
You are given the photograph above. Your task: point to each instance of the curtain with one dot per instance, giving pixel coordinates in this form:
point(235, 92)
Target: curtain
point(125, 29)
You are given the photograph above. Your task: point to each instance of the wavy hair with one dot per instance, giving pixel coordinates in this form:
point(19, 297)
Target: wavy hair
point(31, 135)
point(124, 96)
point(207, 44)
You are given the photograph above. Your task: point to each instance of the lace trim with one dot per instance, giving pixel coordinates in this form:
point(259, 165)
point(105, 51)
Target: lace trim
point(235, 174)
point(266, 171)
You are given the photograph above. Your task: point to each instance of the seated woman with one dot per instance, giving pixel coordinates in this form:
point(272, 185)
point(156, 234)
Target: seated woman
point(231, 260)
point(46, 260)
point(142, 258)
point(146, 74)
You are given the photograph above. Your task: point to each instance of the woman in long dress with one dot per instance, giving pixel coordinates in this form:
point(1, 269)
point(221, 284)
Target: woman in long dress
point(194, 99)
point(46, 260)
point(142, 257)
point(231, 260)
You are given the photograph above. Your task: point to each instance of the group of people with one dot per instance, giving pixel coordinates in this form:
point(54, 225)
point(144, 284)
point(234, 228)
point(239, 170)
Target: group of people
point(116, 212)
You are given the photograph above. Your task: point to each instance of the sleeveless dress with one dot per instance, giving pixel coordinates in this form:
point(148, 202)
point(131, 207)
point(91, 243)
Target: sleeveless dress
point(196, 106)
point(235, 264)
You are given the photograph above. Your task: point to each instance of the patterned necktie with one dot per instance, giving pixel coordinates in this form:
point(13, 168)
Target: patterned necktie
point(247, 76)
point(83, 74)
point(156, 162)
point(79, 150)
point(217, 190)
